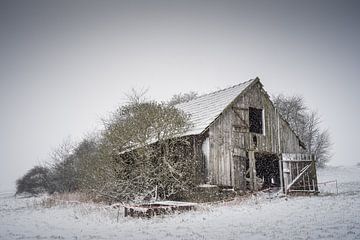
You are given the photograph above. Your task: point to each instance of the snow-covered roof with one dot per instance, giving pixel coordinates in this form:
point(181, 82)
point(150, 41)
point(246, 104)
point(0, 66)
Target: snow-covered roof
point(205, 109)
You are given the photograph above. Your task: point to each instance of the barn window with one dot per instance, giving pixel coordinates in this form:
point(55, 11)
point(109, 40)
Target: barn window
point(256, 120)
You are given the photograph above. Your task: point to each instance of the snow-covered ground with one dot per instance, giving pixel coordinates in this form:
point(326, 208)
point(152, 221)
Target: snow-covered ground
point(322, 217)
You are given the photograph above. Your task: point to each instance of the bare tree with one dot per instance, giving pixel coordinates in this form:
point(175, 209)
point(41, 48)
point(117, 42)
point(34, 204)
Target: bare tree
point(63, 171)
point(293, 110)
point(58, 175)
point(306, 124)
point(322, 148)
point(182, 97)
point(84, 160)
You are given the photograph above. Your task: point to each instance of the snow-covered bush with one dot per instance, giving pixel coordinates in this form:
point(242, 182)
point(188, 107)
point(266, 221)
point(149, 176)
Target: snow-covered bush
point(35, 181)
point(140, 154)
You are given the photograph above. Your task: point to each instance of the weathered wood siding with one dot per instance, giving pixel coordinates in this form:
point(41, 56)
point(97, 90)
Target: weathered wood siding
point(230, 139)
point(220, 152)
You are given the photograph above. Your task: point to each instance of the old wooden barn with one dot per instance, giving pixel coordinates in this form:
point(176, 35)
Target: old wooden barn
point(242, 142)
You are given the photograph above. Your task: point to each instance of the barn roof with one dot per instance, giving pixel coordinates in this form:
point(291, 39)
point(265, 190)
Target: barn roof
point(205, 109)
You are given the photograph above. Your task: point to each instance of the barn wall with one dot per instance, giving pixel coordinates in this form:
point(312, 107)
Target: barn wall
point(230, 139)
point(220, 152)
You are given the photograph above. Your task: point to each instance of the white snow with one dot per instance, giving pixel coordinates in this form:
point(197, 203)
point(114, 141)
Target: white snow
point(257, 217)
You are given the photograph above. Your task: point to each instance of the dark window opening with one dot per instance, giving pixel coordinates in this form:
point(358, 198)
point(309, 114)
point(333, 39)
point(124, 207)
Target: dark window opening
point(256, 120)
point(255, 140)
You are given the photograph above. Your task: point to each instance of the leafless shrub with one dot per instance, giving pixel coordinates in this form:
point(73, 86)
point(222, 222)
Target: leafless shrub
point(34, 182)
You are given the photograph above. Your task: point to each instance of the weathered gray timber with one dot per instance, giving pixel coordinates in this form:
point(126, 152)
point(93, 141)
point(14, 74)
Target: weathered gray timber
point(234, 125)
point(299, 173)
point(157, 208)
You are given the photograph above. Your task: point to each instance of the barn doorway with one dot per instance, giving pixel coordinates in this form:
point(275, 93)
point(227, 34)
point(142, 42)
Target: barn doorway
point(267, 169)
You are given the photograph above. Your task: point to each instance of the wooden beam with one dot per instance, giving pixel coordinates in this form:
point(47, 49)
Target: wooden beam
point(297, 161)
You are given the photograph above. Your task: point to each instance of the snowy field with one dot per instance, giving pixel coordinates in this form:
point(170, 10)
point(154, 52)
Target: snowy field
point(327, 216)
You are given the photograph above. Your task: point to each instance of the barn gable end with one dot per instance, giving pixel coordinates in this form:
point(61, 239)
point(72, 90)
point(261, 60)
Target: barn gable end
point(234, 125)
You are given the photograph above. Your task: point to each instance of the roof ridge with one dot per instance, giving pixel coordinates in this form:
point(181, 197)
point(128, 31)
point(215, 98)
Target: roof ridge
point(206, 94)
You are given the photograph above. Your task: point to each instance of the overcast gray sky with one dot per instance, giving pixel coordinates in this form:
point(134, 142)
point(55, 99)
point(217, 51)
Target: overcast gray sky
point(66, 64)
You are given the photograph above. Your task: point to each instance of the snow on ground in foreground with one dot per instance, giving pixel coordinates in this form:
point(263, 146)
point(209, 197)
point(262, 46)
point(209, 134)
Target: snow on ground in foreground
point(321, 217)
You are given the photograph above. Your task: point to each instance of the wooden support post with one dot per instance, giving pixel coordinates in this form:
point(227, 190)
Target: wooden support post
point(126, 212)
point(316, 188)
point(252, 166)
point(290, 173)
point(281, 174)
